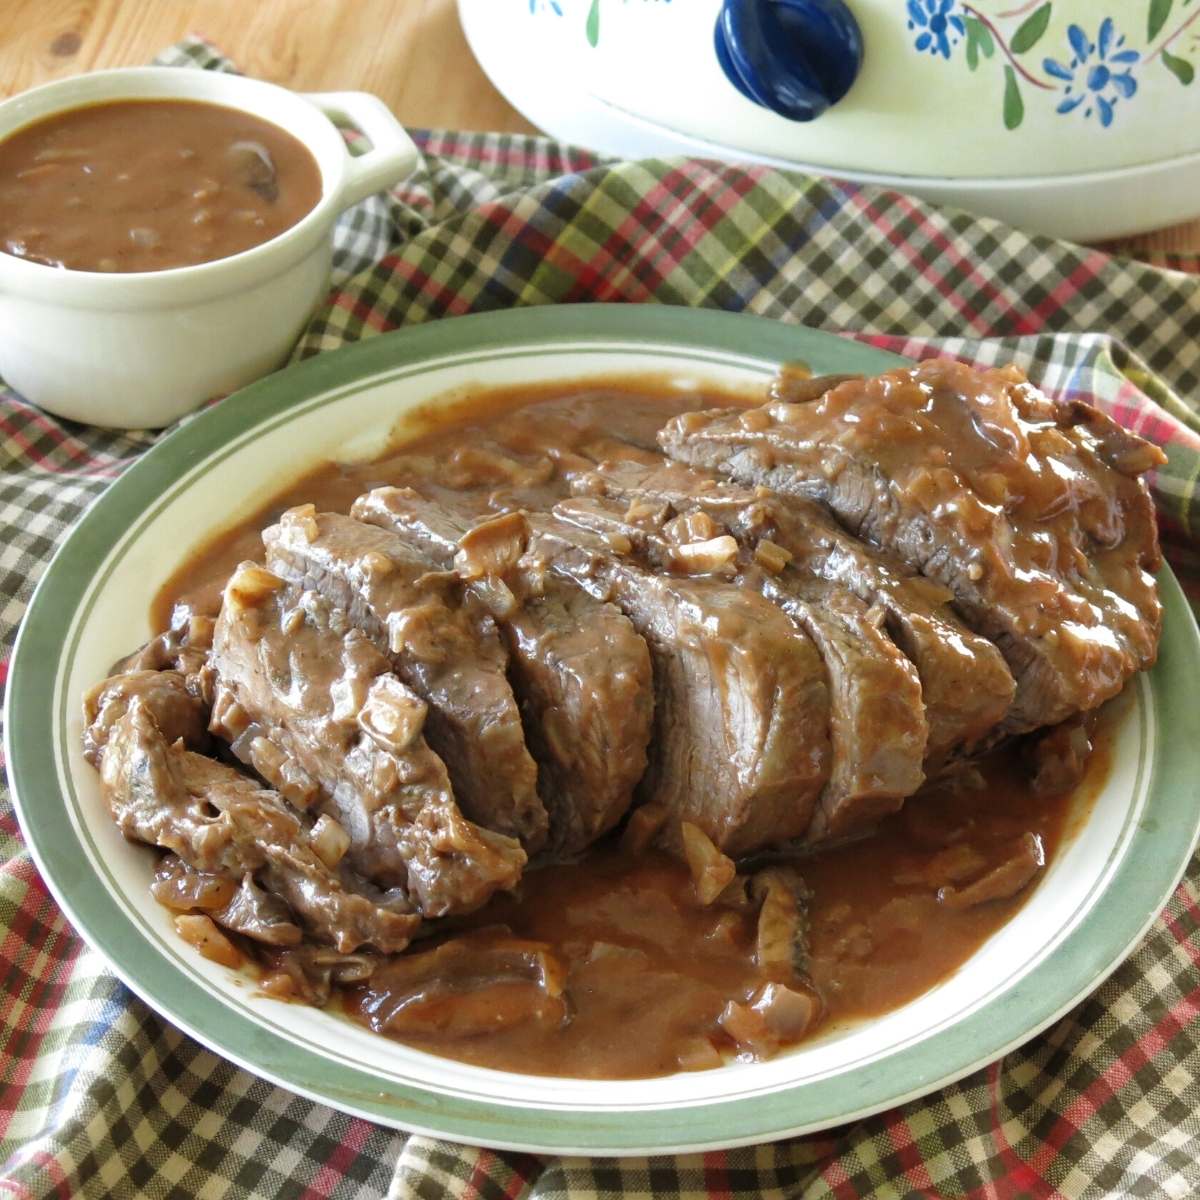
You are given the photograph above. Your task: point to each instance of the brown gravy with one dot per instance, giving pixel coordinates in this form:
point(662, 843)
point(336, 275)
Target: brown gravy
point(145, 185)
point(649, 969)
point(666, 966)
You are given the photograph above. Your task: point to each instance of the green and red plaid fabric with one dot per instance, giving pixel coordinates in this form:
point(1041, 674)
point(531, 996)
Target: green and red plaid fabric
point(99, 1097)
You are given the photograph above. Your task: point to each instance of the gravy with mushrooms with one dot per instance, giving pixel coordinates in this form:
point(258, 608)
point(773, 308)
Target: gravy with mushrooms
point(650, 971)
point(652, 980)
point(146, 185)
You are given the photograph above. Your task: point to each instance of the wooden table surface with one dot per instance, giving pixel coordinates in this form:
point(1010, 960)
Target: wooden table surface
point(412, 53)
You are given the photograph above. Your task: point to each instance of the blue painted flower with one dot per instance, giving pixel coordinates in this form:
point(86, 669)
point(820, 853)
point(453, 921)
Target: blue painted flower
point(939, 26)
point(1099, 73)
point(546, 6)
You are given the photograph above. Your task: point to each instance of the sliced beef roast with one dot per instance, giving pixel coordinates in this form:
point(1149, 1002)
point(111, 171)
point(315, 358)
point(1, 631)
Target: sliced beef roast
point(183, 646)
point(219, 820)
point(580, 669)
point(584, 675)
point(310, 702)
point(170, 673)
point(966, 687)
point(877, 719)
point(741, 727)
point(177, 712)
point(877, 723)
point(451, 658)
point(741, 712)
point(1030, 512)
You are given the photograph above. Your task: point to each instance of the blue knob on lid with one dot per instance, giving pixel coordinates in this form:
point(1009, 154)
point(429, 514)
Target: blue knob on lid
point(795, 57)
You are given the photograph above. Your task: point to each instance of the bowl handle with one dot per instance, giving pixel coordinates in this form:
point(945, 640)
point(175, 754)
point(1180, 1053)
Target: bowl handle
point(392, 155)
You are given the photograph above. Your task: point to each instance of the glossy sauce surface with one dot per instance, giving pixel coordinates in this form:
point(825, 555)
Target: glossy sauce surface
point(145, 185)
point(667, 966)
point(1046, 499)
point(648, 969)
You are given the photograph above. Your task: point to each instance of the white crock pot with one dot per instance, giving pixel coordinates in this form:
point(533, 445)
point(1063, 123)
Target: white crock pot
point(1073, 117)
point(140, 349)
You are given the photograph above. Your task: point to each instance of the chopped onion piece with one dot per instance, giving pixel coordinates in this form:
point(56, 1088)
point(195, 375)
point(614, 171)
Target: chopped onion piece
point(493, 547)
point(329, 841)
point(250, 586)
point(302, 518)
point(393, 716)
point(770, 556)
point(711, 870)
point(702, 558)
point(199, 931)
point(642, 827)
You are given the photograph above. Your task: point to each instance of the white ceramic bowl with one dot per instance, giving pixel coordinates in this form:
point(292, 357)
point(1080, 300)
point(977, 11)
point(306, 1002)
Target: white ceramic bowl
point(140, 349)
point(1075, 118)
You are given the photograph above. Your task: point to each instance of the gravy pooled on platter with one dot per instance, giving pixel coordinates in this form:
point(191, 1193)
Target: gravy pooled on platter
point(649, 950)
point(650, 972)
point(146, 185)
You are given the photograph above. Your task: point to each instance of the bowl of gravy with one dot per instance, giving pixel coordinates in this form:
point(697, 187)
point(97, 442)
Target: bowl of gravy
point(166, 234)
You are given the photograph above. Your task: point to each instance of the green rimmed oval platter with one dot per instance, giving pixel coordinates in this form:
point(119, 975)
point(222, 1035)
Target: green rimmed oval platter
point(1101, 893)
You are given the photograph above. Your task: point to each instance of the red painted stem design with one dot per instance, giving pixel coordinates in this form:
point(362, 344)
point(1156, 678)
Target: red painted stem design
point(1153, 54)
point(999, 37)
point(1019, 11)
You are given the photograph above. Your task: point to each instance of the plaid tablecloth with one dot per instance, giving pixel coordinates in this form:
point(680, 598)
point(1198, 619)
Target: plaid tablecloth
point(99, 1097)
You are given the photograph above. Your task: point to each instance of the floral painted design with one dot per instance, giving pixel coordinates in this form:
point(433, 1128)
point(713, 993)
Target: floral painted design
point(1099, 74)
point(591, 25)
point(939, 28)
point(1093, 78)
